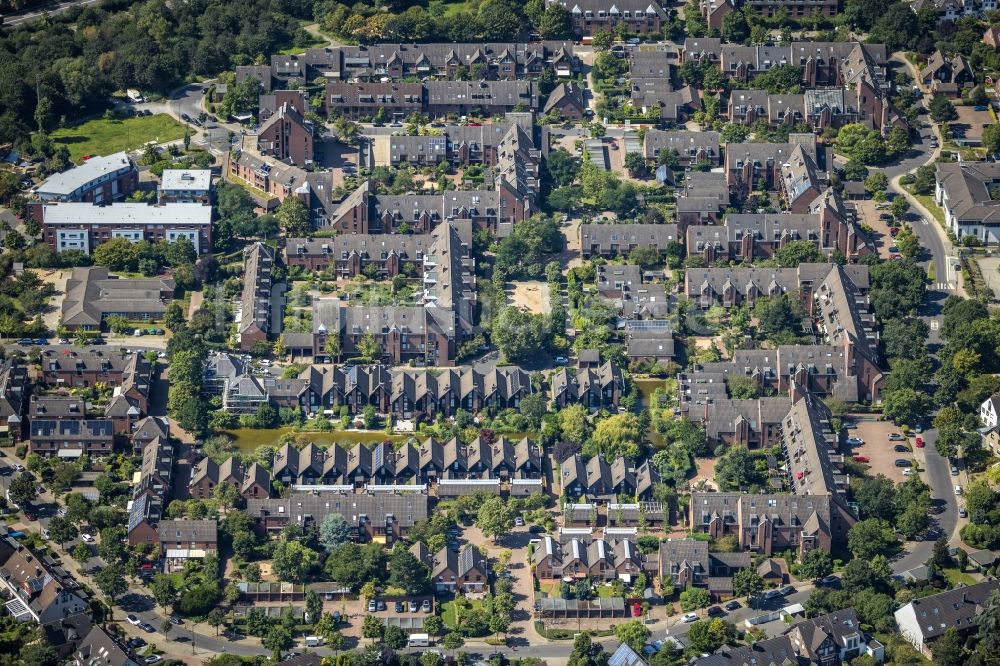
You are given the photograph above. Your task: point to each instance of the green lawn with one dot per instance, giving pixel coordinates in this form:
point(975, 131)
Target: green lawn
point(448, 612)
point(449, 9)
point(928, 202)
point(954, 577)
point(103, 137)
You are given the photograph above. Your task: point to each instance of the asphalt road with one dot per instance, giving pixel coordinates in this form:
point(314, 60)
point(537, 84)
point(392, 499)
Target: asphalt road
point(36, 13)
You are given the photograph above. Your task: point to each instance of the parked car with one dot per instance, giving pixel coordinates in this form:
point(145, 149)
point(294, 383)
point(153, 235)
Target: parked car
point(87, 538)
point(958, 490)
point(147, 627)
point(136, 642)
point(908, 471)
point(903, 462)
point(855, 441)
point(371, 606)
point(426, 606)
point(519, 521)
point(715, 611)
point(153, 659)
point(380, 605)
point(690, 617)
point(954, 471)
point(733, 605)
point(896, 437)
point(561, 360)
point(919, 442)
point(399, 606)
point(861, 459)
point(962, 512)
point(829, 580)
point(787, 590)
point(412, 606)
point(901, 448)
point(133, 620)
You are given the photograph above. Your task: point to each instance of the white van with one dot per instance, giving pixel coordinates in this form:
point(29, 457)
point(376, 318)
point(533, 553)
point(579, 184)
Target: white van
point(314, 641)
point(419, 640)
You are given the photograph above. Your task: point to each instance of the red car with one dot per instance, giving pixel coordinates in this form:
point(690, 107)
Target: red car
point(893, 231)
point(920, 442)
point(861, 459)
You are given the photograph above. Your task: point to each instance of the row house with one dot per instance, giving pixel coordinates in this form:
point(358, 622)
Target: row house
point(753, 423)
point(671, 106)
point(184, 540)
point(812, 452)
point(260, 72)
point(272, 102)
point(287, 136)
point(618, 240)
point(818, 108)
point(598, 479)
point(254, 316)
point(566, 101)
point(594, 388)
point(598, 559)
point(71, 408)
point(736, 286)
point(637, 17)
point(151, 494)
point(632, 293)
point(467, 144)
point(430, 462)
point(437, 98)
point(690, 147)
point(420, 395)
point(14, 388)
point(381, 517)
point(757, 166)
point(130, 373)
point(464, 571)
point(827, 640)
point(822, 63)
point(922, 621)
point(251, 481)
point(508, 61)
point(962, 190)
point(278, 181)
point(830, 225)
point(767, 524)
point(71, 438)
point(351, 255)
point(689, 563)
point(362, 212)
point(424, 335)
point(702, 201)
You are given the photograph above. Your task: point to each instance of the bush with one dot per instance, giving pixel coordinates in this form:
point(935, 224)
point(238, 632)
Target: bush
point(199, 600)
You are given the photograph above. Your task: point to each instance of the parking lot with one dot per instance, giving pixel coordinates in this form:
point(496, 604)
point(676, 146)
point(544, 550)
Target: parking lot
point(878, 449)
point(868, 214)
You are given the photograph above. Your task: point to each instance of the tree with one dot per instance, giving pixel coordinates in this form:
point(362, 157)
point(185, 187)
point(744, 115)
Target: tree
point(736, 469)
point(293, 216)
point(905, 405)
point(277, 639)
point(394, 637)
point(876, 182)
point(694, 598)
point(81, 553)
point(991, 138)
point(453, 641)
point(494, 518)
point(369, 590)
point(907, 242)
point(913, 521)
point(407, 572)
point(112, 582)
point(216, 617)
point(291, 561)
point(314, 606)
point(334, 532)
point(797, 252)
point(899, 207)
point(816, 564)
point(870, 537)
point(61, 530)
point(173, 317)
point(22, 490)
point(368, 348)
point(859, 143)
point(948, 649)
point(710, 635)
point(635, 163)
point(747, 583)
point(634, 633)
point(520, 334)
point(942, 110)
point(645, 256)
point(616, 436)
point(875, 497)
point(904, 338)
point(372, 627)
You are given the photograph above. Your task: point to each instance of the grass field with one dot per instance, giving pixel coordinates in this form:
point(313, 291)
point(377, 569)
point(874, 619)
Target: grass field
point(954, 577)
point(103, 137)
point(928, 201)
point(448, 9)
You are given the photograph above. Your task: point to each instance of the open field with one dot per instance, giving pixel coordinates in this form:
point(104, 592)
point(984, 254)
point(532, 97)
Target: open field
point(533, 296)
point(103, 137)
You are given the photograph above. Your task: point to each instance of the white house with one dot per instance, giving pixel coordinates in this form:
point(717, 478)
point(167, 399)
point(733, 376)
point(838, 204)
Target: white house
point(989, 411)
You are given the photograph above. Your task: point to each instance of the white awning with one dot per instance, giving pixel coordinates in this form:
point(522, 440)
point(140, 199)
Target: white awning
point(70, 453)
point(185, 553)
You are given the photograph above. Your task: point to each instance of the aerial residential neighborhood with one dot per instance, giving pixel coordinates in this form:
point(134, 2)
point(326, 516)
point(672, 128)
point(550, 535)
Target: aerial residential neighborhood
point(567, 332)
